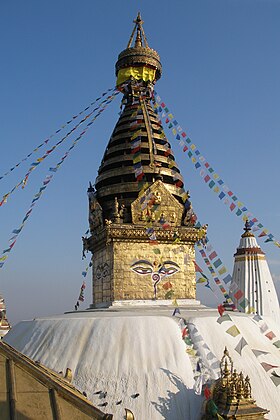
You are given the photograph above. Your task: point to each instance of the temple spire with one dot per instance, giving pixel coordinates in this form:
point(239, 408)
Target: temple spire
point(252, 289)
point(140, 35)
point(139, 60)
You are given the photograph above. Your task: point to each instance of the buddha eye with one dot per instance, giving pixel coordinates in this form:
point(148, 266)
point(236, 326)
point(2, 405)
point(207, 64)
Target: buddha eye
point(168, 269)
point(140, 269)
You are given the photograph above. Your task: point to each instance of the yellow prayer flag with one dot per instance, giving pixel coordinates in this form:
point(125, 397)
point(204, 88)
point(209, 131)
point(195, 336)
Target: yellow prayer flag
point(136, 134)
point(191, 352)
point(222, 270)
point(137, 159)
point(193, 146)
point(233, 331)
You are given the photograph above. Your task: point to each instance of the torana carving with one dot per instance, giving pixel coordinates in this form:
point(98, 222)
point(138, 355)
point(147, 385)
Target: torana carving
point(158, 206)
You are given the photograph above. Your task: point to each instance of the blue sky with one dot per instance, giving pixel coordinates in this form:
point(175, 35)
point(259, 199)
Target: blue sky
point(221, 67)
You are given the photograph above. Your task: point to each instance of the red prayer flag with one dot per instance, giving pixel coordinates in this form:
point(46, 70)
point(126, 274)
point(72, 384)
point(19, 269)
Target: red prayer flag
point(207, 392)
point(221, 309)
point(238, 294)
point(197, 268)
point(184, 332)
point(270, 335)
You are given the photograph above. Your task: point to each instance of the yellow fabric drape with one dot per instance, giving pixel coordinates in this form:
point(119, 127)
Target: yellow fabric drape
point(139, 73)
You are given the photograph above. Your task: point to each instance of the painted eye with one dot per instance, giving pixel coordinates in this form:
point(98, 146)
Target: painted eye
point(142, 270)
point(168, 271)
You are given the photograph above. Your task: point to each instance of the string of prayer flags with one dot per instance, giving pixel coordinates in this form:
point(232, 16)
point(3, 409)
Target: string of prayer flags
point(54, 133)
point(49, 178)
point(213, 273)
point(264, 328)
point(81, 297)
point(35, 164)
point(207, 172)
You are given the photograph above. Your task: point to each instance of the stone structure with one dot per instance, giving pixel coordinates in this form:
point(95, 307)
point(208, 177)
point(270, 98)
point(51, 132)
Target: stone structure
point(31, 391)
point(141, 219)
point(231, 396)
point(252, 289)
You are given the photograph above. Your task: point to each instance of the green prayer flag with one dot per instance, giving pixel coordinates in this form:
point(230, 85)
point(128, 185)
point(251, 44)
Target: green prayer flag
point(277, 344)
point(224, 318)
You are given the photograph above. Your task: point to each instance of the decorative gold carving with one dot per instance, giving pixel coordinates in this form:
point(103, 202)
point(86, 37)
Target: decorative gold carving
point(95, 211)
point(231, 396)
point(157, 205)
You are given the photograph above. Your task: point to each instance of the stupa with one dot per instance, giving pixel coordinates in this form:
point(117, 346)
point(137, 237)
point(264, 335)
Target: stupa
point(140, 201)
point(252, 289)
point(136, 348)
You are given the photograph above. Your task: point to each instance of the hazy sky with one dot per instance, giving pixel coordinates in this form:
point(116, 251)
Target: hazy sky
point(221, 66)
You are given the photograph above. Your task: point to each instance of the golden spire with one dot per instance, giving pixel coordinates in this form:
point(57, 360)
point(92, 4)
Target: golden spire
point(140, 36)
point(138, 56)
point(232, 394)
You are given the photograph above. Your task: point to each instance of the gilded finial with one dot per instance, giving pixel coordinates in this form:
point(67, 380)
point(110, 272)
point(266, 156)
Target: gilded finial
point(232, 394)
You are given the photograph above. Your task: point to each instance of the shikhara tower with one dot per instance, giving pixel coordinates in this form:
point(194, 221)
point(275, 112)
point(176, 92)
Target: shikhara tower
point(252, 289)
point(141, 219)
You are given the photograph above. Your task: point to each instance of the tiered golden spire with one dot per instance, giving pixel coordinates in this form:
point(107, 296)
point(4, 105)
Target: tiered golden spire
point(232, 395)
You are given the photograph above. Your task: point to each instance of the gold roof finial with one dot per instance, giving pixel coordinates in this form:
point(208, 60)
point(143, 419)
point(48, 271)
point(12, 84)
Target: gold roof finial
point(232, 394)
point(139, 54)
point(140, 35)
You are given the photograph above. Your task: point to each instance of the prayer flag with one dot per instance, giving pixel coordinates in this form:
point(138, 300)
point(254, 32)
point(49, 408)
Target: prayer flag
point(217, 263)
point(264, 328)
point(277, 344)
point(238, 295)
point(213, 255)
point(275, 380)
point(259, 352)
point(242, 343)
point(207, 392)
point(227, 279)
point(176, 311)
point(233, 331)
point(222, 270)
point(270, 335)
point(268, 366)
point(221, 309)
point(224, 318)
